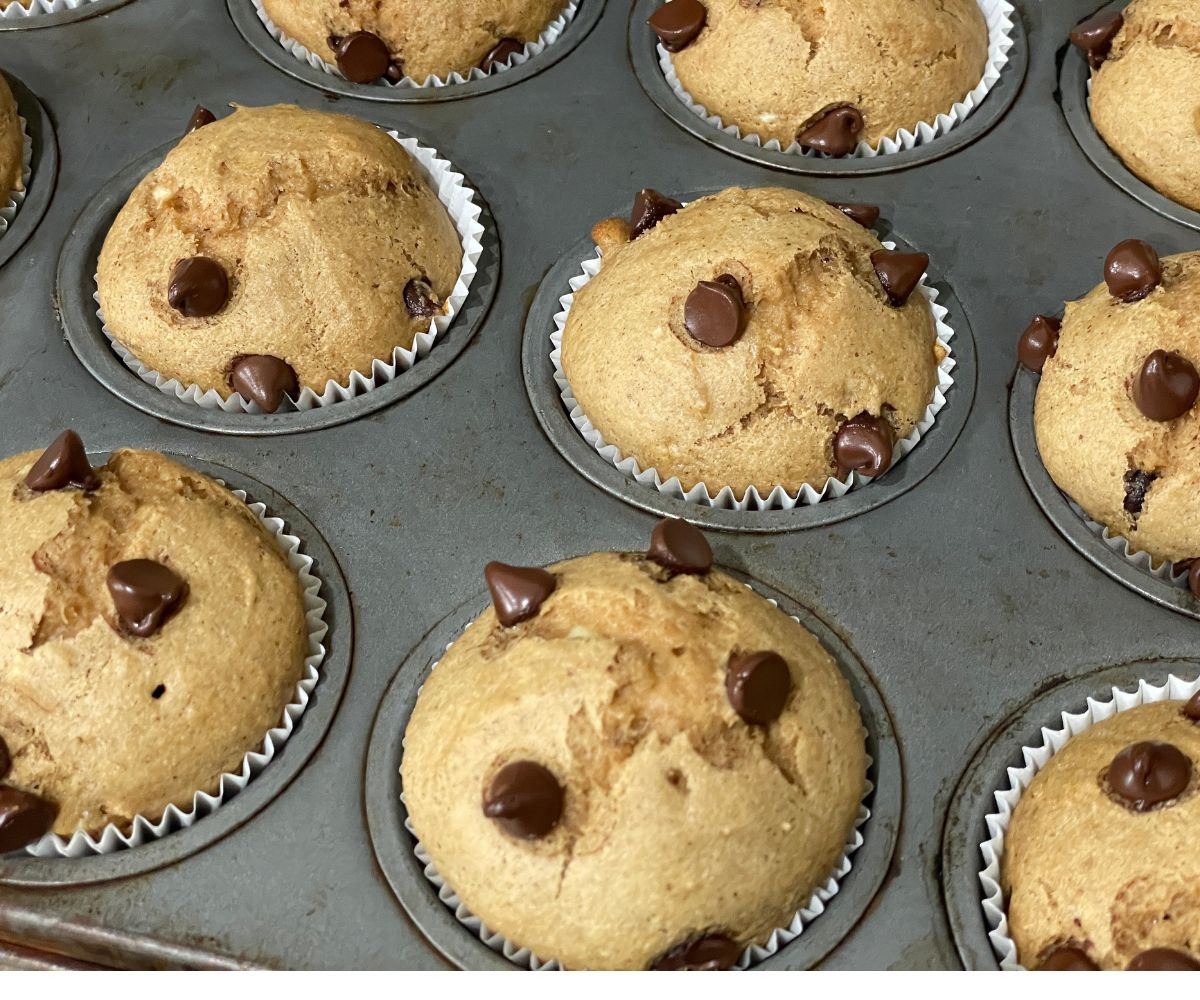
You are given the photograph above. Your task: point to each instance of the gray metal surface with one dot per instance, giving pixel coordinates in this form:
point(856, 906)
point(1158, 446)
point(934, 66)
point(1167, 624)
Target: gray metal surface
point(959, 596)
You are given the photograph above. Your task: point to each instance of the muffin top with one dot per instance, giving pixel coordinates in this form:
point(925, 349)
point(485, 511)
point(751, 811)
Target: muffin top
point(776, 68)
point(1096, 868)
point(1116, 417)
point(12, 143)
point(751, 385)
point(306, 238)
point(413, 37)
point(1146, 91)
point(128, 686)
point(583, 780)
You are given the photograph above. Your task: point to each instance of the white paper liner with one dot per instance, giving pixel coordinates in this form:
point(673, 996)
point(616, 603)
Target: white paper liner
point(13, 199)
point(1160, 569)
point(999, 17)
point(10, 9)
point(724, 497)
point(459, 201)
point(549, 36)
point(143, 829)
point(754, 954)
point(1019, 779)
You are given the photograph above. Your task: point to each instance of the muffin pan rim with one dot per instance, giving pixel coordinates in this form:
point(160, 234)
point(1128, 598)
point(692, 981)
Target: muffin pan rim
point(93, 9)
point(43, 176)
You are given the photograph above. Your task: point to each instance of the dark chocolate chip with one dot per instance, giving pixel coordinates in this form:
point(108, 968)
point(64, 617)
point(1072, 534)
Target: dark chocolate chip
point(1095, 36)
point(678, 23)
point(158, 691)
point(863, 444)
point(1068, 958)
point(715, 313)
point(1190, 711)
point(419, 299)
point(200, 117)
point(5, 759)
point(24, 817)
point(525, 799)
point(1194, 578)
point(1166, 387)
point(680, 547)
point(758, 685)
point(518, 592)
point(199, 287)
point(145, 594)
point(649, 209)
point(362, 56)
point(1147, 773)
point(1039, 342)
point(710, 953)
point(1137, 484)
point(395, 71)
point(263, 379)
point(835, 133)
point(504, 50)
point(1163, 960)
point(1132, 270)
point(64, 464)
point(899, 272)
point(865, 215)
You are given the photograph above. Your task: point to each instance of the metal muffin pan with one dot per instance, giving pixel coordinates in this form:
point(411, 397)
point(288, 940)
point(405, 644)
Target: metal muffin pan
point(91, 8)
point(43, 169)
point(959, 597)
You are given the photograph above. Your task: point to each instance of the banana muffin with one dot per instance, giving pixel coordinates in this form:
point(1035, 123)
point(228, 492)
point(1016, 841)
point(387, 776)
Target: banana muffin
point(757, 337)
point(12, 143)
point(390, 39)
point(151, 633)
point(634, 761)
point(827, 74)
point(277, 249)
point(1095, 867)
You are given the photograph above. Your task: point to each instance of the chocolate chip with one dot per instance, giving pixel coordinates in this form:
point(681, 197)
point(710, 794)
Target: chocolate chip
point(1132, 270)
point(1039, 342)
point(64, 464)
point(1191, 710)
point(419, 299)
point(680, 547)
point(1194, 578)
point(714, 313)
point(1068, 958)
point(518, 592)
point(362, 56)
point(709, 953)
point(863, 444)
point(504, 50)
point(158, 691)
point(1166, 387)
point(1137, 484)
point(649, 209)
point(835, 133)
point(5, 759)
point(758, 685)
point(24, 817)
point(865, 215)
point(145, 594)
point(899, 272)
point(395, 71)
point(678, 23)
point(263, 379)
point(1147, 773)
point(200, 117)
point(199, 287)
point(525, 799)
point(1163, 960)
point(1095, 36)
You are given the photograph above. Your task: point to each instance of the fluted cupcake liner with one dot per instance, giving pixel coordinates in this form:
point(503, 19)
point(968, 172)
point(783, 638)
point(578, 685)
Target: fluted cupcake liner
point(999, 16)
point(1160, 569)
point(11, 9)
point(995, 908)
point(13, 199)
point(550, 34)
point(459, 201)
point(147, 828)
point(723, 496)
point(751, 956)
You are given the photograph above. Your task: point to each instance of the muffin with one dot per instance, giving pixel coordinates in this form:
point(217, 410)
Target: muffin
point(827, 74)
point(274, 250)
point(151, 633)
point(1093, 867)
point(1145, 91)
point(757, 337)
point(12, 144)
point(1115, 417)
point(370, 39)
point(634, 761)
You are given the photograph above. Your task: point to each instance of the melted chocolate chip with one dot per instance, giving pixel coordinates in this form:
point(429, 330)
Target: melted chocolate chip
point(835, 133)
point(263, 379)
point(715, 313)
point(1068, 958)
point(199, 287)
point(419, 299)
point(1095, 36)
point(5, 759)
point(504, 50)
point(200, 117)
point(1194, 578)
point(24, 817)
point(525, 799)
point(518, 592)
point(680, 547)
point(1166, 387)
point(145, 594)
point(362, 56)
point(1132, 270)
point(1163, 960)
point(1039, 342)
point(863, 444)
point(758, 685)
point(64, 464)
point(899, 272)
point(865, 215)
point(1147, 773)
point(709, 953)
point(678, 23)
point(649, 209)
point(1137, 484)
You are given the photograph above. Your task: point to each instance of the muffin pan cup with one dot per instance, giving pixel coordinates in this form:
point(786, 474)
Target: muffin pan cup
point(41, 160)
point(46, 13)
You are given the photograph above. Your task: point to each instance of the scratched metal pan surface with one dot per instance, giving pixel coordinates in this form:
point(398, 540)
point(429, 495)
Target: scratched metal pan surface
point(958, 601)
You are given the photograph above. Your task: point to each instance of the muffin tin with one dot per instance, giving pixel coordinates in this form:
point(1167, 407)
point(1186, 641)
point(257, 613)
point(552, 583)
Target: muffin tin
point(951, 605)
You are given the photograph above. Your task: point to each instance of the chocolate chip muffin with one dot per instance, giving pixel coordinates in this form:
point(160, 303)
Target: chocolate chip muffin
point(634, 761)
point(274, 250)
point(12, 143)
point(1146, 89)
point(757, 337)
point(1093, 867)
point(369, 39)
point(1116, 418)
point(151, 633)
point(825, 73)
